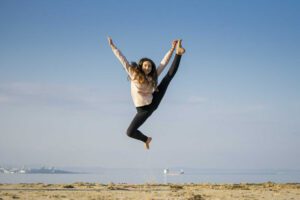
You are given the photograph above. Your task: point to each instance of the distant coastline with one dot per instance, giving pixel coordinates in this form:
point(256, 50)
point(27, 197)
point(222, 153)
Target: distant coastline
point(42, 170)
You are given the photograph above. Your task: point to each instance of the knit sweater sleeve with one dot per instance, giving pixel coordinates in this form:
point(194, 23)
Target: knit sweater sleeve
point(164, 61)
point(122, 59)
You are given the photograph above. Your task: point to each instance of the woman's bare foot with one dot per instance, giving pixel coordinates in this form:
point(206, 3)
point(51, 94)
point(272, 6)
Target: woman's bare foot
point(147, 143)
point(179, 49)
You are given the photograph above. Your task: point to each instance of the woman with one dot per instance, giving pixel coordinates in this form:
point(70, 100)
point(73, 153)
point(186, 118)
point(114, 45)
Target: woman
point(145, 91)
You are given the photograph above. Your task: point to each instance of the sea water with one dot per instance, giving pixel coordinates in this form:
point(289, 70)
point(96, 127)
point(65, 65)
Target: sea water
point(139, 176)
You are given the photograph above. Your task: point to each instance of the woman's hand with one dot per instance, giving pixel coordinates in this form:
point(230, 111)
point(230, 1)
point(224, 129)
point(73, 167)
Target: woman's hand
point(174, 44)
point(110, 42)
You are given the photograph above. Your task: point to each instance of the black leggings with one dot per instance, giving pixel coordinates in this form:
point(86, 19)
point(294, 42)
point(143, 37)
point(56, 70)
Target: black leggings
point(145, 111)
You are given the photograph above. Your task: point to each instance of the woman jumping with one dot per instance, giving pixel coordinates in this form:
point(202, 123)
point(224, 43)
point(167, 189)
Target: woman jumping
point(145, 91)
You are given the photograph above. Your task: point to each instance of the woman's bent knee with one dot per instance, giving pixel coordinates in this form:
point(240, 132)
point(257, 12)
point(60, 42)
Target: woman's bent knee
point(129, 132)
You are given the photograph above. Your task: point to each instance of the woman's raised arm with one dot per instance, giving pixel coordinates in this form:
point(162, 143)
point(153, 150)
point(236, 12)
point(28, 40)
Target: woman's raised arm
point(120, 56)
point(166, 58)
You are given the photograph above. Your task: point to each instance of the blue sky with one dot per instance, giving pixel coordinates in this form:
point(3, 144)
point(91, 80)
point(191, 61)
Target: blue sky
point(234, 103)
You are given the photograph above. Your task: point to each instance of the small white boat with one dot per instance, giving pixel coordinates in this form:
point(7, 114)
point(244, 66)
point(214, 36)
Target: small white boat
point(173, 173)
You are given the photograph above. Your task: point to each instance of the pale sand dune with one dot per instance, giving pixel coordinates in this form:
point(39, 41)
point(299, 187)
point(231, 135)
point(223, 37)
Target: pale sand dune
point(96, 191)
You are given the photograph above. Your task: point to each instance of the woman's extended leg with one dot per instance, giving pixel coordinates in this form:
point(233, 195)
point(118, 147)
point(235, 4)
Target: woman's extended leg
point(162, 87)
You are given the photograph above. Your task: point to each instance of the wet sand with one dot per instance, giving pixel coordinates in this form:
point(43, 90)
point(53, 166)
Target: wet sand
point(97, 191)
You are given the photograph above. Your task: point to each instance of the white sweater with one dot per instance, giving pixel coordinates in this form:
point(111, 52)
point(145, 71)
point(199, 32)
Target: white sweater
point(141, 93)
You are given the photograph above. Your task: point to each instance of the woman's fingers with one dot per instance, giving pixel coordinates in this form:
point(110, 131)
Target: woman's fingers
point(109, 40)
point(174, 43)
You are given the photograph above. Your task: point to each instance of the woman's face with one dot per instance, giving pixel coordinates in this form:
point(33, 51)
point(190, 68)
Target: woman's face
point(147, 67)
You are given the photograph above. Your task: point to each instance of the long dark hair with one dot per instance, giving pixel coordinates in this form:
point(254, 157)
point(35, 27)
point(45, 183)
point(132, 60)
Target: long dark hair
point(139, 74)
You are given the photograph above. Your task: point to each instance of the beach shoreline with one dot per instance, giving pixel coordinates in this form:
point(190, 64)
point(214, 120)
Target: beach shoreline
point(202, 191)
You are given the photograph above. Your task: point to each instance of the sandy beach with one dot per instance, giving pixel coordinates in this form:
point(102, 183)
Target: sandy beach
point(97, 191)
